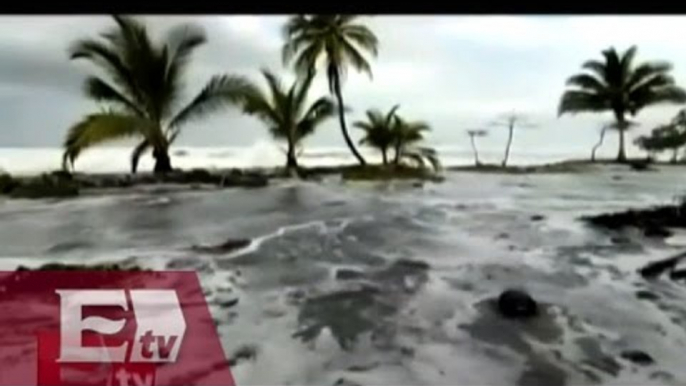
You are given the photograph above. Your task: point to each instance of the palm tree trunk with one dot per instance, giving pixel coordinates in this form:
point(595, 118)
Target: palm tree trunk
point(291, 160)
point(675, 154)
point(476, 153)
point(600, 143)
point(162, 161)
point(621, 155)
point(341, 118)
point(398, 146)
point(384, 156)
point(509, 143)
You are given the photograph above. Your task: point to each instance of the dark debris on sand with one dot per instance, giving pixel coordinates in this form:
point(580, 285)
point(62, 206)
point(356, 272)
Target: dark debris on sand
point(653, 222)
point(656, 268)
point(227, 246)
point(639, 357)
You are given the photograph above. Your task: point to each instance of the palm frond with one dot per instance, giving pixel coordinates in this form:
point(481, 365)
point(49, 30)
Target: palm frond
point(587, 82)
point(647, 70)
point(613, 69)
point(582, 101)
point(669, 94)
point(256, 103)
point(320, 111)
point(431, 155)
point(220, 91)
point(278, 95)
point(391, 115)
point(295, 24)
point(651, 82)
point(342, 20)
point(421, 155)
point(108, 60)
point(294, 45)
point(99, 90)
point(626, 63)
point(103, 127)
point(180, 42)
point(596, 67)
point(362, 36)
point(306, 62)
point(301, 89)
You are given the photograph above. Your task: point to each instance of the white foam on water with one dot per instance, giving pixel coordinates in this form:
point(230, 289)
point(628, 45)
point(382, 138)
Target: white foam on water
point(458, 243)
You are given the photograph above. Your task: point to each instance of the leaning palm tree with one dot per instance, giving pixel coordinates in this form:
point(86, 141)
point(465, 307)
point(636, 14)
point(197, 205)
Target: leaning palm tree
point(286, 113)
point(140, 88)
point(340, 42)
point(619, 86)
point(603, 129)
point(378, 131)
point(472, 134)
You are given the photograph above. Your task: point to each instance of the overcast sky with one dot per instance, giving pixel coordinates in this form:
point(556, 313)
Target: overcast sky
point(456, 72)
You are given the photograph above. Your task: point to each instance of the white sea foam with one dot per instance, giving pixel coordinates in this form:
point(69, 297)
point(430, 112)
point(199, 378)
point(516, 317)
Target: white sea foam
point(456, 227)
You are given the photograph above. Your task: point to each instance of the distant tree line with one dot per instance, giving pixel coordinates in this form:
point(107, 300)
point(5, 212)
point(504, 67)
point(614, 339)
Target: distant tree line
point(669, 137)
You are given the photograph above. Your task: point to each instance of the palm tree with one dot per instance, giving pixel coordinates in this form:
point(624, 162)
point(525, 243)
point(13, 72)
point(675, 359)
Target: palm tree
point(618, 86)
point(378, 131)
point(340, 42)
point(472, 134)
point(141, 88)
point(407, 134)
point(286, 113)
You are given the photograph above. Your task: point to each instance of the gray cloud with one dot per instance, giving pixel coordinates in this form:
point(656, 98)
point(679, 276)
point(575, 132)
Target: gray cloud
point(455, 72)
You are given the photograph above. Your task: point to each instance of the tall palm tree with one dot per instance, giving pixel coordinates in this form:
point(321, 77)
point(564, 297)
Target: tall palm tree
point(378, 131)
point(286, 113)
point(338, 41)
point(619, 86)
point(140, 88)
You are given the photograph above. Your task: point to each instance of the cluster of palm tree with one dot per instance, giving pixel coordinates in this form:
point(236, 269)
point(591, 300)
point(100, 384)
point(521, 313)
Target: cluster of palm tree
point(141, 84)
point(620, 86)
point(390, 132)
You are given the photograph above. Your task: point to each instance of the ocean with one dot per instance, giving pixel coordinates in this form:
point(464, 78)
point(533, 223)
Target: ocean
point(260, 154)
point(420, 325)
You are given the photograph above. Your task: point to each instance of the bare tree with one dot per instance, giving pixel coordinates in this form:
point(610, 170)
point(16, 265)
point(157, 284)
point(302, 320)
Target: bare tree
point(472, 134)
point(611, 125)
point(600, 142)
point(511, 120)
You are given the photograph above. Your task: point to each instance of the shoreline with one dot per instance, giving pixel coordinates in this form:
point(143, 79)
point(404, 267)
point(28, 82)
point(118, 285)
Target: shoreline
point(63, 184)
point(567, 165)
